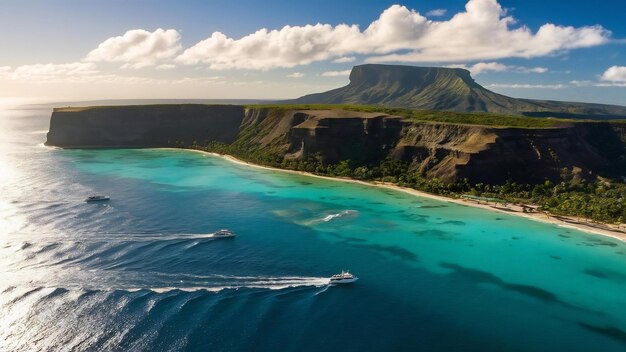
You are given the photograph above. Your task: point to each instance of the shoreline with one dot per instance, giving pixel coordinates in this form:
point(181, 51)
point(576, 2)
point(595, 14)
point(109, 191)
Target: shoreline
point(562, 221)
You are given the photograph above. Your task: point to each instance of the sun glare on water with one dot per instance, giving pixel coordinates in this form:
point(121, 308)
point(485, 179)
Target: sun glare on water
point(9, 174)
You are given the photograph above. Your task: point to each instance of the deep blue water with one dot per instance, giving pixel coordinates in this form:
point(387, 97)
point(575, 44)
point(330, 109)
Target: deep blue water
point(140, 273)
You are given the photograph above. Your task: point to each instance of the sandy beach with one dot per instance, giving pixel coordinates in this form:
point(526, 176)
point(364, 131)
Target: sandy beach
point(607, 230)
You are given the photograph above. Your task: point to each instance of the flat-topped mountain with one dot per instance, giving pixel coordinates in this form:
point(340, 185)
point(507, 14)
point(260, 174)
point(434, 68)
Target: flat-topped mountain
point(437, 88)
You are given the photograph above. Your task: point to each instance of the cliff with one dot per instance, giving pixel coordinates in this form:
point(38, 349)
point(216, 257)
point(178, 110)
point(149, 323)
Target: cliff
point(495, 155)
point(450, 152)
point(438, 88)
point(144, 125)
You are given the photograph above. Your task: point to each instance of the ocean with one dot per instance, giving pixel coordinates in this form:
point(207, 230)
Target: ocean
point(142, 272)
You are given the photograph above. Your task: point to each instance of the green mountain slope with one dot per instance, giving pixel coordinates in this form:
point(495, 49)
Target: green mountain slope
point(436, 88)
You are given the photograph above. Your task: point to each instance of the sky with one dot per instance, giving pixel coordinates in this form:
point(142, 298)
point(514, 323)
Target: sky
point(69, 50)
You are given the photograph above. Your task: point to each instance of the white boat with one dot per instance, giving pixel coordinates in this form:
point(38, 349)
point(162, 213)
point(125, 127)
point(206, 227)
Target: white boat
point(97, 198)
point(223, 233)
point(344, 278)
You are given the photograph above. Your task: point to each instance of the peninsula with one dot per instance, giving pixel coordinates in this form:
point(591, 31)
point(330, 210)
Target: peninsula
point(571, 167)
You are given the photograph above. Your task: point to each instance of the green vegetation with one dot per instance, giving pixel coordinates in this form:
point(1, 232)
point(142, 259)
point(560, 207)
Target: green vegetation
point(484, 119)
point(467, 118)
point(600, 200)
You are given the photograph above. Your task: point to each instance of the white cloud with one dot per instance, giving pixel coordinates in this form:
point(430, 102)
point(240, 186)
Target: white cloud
point(336, 73)
point(210, 79)
point(522, 69)
point(482, 67)
point(87, 72)
point(483, 31)
point(264, 49)
point(529, 86)
point(613, 84)
point(53, 72)
point(615, 74)
point(602, 84)
point(165, 67)
point(344, 59)
point(296, 75)
point(138, 48)
point(5, 71)
point(74, 72)
point(613, 77)
point(436, 13)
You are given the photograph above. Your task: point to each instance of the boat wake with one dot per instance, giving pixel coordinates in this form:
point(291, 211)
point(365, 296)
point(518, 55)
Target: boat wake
point(110, 237)
point(341, 214)
point(218, 283)
point(213, 284)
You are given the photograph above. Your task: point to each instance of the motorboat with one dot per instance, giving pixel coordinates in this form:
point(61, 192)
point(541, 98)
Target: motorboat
point(223, 233)
point(344, 278)
point(97, 198)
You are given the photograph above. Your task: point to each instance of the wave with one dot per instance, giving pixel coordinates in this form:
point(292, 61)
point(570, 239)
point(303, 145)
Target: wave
point(49, 147)
point(339, 215)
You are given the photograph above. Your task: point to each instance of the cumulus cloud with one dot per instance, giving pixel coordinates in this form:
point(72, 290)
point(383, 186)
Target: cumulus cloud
point(615, 74)
point(344, 59)
point(482, 67)
point(265, 49)
point(436, 13)
point(483, 31)
point(138, 48)
point(336, 73)
point(296, 75)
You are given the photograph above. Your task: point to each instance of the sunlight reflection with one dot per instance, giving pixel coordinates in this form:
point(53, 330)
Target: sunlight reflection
point(9, 175)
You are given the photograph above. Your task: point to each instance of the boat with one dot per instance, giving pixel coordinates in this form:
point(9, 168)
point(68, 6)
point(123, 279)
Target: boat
point(97, 198)
point(223, 233)
point(344, 278)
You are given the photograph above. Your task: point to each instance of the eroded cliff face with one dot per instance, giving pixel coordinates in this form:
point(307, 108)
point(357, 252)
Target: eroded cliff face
point(495, 155)
point(446, 151)
point(344, 135)
point(144, 125)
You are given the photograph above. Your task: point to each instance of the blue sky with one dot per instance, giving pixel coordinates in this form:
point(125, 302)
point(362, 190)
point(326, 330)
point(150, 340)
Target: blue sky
point(164, 49)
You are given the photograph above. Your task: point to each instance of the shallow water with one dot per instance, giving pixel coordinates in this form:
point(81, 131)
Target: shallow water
point(141, 273)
